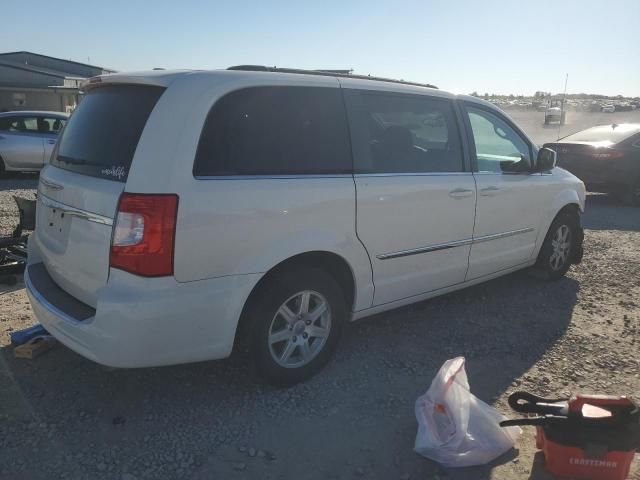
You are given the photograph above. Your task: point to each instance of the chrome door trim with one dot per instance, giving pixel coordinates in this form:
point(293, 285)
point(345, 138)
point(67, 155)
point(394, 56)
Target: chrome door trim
point(75, 212)
point(431, 248)
point(496, 236)
point(457, 243)
point(272, 177)
point(414, 174)
point(50, 184)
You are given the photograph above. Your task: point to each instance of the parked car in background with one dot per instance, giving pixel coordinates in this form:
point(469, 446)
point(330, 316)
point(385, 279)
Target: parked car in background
point(608, 108)
point(555, 114)
point(27, 139)
point(606, 158)
point(624, 107)
point(266, 208)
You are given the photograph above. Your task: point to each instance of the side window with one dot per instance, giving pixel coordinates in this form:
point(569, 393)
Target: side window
point(23, 124)
point(51, 125)
point(499, 148)
point(404, 134)
point(275, 131)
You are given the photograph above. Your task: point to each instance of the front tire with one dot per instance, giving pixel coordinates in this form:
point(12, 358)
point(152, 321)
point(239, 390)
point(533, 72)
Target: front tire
point(296, 322)
point(631, 196)
point(560, 246)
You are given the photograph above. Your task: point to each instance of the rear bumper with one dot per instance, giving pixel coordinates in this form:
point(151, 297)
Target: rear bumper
point(145, 322)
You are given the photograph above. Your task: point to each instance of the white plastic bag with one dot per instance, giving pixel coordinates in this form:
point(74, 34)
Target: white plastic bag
point(455, 428)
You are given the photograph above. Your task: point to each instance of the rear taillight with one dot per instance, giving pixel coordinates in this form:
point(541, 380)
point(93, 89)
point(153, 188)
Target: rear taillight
point(144, 234)
point(607, 154)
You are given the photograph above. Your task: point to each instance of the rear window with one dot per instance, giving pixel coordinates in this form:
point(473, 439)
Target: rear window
point(275, 131)
point(103, 132)
point(19, 124)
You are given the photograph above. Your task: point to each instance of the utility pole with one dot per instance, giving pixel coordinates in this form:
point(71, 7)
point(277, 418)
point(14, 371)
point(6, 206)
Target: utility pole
point(562, 112)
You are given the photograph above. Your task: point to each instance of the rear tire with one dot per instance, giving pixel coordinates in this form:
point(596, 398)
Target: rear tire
point(559, 247)
point(295, 324)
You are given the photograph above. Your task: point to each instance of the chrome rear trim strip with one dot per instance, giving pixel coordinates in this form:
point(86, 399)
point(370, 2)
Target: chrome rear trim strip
point(51, 185)
point(74, 212)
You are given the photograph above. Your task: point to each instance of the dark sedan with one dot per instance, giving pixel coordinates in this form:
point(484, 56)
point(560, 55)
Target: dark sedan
point(606, 158)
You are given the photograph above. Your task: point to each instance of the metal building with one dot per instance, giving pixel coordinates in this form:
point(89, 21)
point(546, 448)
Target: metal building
point(30, 81)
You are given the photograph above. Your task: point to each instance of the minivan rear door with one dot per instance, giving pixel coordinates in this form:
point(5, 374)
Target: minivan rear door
point(79, 191)
point(415, 198)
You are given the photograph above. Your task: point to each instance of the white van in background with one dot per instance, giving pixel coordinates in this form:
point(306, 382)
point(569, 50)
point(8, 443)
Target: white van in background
point(185, 211)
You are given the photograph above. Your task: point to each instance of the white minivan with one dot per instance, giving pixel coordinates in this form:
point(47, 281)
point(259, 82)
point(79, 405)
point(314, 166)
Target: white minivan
point(187, 212)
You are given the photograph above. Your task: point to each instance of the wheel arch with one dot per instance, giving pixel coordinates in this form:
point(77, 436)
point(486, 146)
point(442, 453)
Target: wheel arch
point(572, 206)
point(334, 264)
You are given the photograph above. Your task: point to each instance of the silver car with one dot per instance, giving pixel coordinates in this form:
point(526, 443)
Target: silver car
point(27, 139)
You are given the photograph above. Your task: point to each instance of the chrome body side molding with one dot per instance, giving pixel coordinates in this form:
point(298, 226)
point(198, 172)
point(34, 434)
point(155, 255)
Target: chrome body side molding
point(457, 243)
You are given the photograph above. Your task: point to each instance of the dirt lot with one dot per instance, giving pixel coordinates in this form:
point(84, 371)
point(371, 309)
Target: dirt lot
point(62, 416)
point(533, 123)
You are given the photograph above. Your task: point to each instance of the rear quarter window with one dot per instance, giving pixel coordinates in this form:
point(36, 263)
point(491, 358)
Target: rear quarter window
point(275, 131)
point(101, 136)
point(19, 124)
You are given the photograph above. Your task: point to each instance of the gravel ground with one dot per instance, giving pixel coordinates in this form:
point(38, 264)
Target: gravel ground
point(62, 416)
point(20, 185)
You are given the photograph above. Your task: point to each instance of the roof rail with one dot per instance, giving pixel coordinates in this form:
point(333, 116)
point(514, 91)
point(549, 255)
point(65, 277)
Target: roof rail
point(325, 73)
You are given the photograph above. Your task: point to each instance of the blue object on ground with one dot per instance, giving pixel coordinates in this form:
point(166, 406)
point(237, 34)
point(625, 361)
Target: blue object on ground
point(23, 336)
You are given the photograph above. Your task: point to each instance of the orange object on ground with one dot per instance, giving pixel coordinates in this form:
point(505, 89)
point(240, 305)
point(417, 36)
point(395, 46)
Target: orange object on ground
point(574, 462)
point(585, 437)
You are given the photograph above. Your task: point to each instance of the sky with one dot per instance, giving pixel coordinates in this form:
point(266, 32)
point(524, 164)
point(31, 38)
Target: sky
point(517, 46)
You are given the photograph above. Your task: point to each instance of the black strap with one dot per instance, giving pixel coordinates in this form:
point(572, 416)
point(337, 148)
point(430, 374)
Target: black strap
point(525, 402)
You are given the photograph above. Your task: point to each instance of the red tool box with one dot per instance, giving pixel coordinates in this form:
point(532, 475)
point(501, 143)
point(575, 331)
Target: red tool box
point(588, 437)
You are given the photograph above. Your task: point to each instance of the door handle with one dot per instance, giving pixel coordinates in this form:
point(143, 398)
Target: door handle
point(52, 142)
point(460, 193)
point(489, 191)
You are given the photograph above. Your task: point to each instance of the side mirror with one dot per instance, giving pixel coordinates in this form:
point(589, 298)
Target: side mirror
point(546, 160)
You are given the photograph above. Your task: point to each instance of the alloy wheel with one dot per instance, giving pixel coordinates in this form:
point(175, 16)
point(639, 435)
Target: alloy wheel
point(561, 247)
point(299, 329)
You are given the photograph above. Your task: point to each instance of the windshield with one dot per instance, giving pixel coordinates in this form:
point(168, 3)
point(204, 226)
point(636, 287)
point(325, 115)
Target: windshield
point(103, 133)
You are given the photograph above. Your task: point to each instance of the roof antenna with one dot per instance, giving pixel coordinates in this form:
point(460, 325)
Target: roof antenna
point(562, 112)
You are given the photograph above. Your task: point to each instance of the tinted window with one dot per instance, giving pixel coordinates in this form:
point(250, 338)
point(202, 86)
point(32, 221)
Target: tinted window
point(103, 132)
point(404, 134)
point(275, 131)
point(498, 146)
point(19, 124)
point(51, 124)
